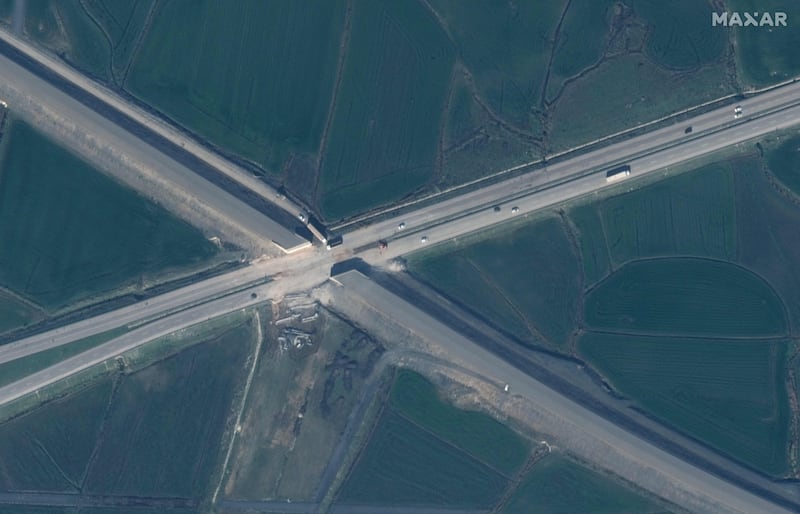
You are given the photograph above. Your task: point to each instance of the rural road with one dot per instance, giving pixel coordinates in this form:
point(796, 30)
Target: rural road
point(583, 431)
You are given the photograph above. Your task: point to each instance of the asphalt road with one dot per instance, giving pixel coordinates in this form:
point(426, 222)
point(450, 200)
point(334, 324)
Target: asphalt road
point(698, 490)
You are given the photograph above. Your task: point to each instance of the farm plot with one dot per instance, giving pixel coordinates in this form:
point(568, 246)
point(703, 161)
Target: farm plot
point(767, 233)
point(70, 234)
point(557, 485)
point(680, 34)
point(784, 163)
point(594, 250)
point(49, 448)
point(580, 42)
point(767, 55)
point(691, 214)
point(626, 91)
point(66, 29)
point(476, 433)
point(298, 407)
point(731, 394)
point(15, 313)
point(178, 408)
point(506, 48)
point(404, 464)
point(122, 22)
point(684, 296)
point(522, 278)
point(254, 78)
point(383, 140)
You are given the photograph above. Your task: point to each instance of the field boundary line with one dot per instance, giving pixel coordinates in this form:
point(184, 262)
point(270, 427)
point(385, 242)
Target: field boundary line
point(248, 383)
point(452, 445)
point(733, 338)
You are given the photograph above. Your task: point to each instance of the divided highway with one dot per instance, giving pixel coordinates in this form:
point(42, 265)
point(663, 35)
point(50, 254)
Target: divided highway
point(447, 219)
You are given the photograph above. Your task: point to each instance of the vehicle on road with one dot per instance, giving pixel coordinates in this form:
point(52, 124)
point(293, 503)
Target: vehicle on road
point(401, 226)
point(423, 239)
point(737, 112)
point(514, 210)
point(688, 130)
point(382, 245)
point(618, 173)
point(301, 217)
point(496, 208)
point(334, 242)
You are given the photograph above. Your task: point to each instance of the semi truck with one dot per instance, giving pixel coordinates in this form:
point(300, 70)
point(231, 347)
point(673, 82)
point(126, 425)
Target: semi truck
point(618, 173)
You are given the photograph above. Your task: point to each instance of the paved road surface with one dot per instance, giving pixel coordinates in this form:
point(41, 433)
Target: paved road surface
point(698, 490)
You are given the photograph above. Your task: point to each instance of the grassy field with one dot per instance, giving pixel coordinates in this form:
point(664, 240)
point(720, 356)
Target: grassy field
point(49, 448)
point(680, 33)
point(767, 55)
point(581, 41)
point(15, 313)
point(476, 433)
point(507, 275)
point(278, 455)
point(683, 296)
point(691, 214)
point(594, 250)
point(784, 163)
point(255, 78)
point(731, 394)
point(507, 49)
point(406, 465)
point(66, 29)
point(557, 485)
point(122, 23)
point(164, 427)
point(17, 369)
point(627, 91)
point(71, 234)
point(384, 133)
point(767, 233)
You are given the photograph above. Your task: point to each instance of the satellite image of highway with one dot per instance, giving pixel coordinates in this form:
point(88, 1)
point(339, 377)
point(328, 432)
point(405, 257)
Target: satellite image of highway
point(400, 256)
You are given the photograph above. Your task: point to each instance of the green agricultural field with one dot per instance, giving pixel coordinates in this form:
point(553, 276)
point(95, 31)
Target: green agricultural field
point(506, 48)
point(476, 433)
point(383, 139)
point(784, 163)
point(767, 233)
point(65, 28)
point(581, 41)
point(17, 369)
point(767, 55)
point(406, 465)
point(509, 277)
point(557, 485)
point(594, 250)
point(165, 425)
point(691, 214)
point(122, 22)
point(685, 296)
point(71, 234)
point(15, 313)
point(253, 77)
point(627, 91)
point(680, 32)
point(49, 448)
point(730, 394)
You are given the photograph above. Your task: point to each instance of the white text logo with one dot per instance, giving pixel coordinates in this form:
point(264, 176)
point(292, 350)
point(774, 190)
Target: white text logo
point(747, 19)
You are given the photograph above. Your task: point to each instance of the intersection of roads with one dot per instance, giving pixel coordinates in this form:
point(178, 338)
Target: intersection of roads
point(544, 186)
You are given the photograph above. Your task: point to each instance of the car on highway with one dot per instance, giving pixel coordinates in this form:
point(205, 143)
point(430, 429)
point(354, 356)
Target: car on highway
point(496, 208)
point(514, 210)
point(301, 217)
point(423, 239)
point(401, 226)
point(737, 112)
